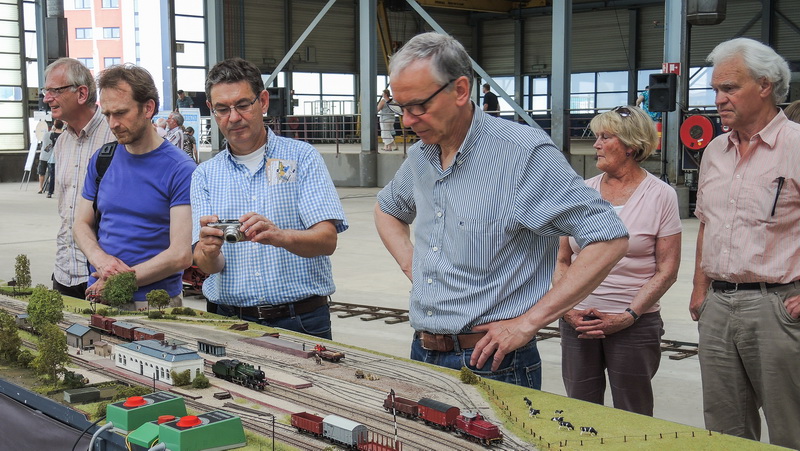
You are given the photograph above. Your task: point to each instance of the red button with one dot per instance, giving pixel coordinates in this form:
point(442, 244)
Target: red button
point(165, 418)
point(134, 401)
point(189, 421)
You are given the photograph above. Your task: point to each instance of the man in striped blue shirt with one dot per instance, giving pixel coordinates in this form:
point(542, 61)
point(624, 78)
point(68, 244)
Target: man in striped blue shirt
point(279, 272)
point(490, 198)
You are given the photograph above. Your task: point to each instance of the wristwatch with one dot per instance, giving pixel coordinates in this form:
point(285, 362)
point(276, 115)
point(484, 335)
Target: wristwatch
point(633, 314)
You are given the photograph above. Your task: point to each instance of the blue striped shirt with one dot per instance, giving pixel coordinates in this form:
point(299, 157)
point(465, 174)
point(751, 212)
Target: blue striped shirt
point(487, 227)
point(293, 189)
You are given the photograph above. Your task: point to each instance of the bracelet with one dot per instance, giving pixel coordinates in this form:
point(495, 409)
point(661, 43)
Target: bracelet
point(633, 314)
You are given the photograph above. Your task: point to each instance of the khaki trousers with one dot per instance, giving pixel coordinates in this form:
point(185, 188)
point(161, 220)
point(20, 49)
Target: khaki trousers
point(749, 353)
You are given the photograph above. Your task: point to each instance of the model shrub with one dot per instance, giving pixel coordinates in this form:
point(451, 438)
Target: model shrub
point(467, 376)
point(201, 381)
point(182, 378)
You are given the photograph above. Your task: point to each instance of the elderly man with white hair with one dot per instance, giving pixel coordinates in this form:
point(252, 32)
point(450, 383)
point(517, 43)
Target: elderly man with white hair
point(746, 295)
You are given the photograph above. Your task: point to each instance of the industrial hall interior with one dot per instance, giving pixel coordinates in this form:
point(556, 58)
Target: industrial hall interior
point(399, 224)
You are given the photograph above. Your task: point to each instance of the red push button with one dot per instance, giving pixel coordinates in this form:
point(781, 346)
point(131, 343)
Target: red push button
point(135, 401)
point(165, 418)
point(189, 421)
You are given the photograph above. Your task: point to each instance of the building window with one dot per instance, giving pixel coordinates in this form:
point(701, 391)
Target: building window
point(83, 4)
point(83, 33)
point(108, 62)
point(110, 32)
point(110, 3)
point(88, 62)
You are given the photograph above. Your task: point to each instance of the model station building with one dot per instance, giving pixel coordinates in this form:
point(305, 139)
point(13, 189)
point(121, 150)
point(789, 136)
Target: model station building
point(155, 360)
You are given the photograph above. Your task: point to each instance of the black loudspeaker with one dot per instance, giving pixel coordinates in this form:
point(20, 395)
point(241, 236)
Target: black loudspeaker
point(662, 92)
point(277, 102)
point(706, 12)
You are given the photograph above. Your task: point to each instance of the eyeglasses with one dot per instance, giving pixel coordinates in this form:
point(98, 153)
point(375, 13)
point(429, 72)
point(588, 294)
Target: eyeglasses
point(415, 109)
point(623, 111)
point(55, 92)
point(241, 108)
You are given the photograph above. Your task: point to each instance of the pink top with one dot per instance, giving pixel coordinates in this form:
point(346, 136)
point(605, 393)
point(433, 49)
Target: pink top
point(650, 213)
point(742, 240)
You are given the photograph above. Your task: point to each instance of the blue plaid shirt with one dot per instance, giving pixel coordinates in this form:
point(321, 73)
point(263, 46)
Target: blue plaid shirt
point(487, 227)
point(293, 189)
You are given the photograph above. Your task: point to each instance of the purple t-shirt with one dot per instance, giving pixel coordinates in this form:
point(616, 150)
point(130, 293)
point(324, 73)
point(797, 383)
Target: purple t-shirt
point(136, 194)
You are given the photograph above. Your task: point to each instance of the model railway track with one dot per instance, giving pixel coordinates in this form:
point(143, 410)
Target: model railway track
point(369, 312)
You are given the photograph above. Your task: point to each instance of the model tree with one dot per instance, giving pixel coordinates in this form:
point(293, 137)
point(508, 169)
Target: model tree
point(9, 338)
point(119, 289)
point(22, 271)
point(158, 299)
point(53, 353)
point(45, 307)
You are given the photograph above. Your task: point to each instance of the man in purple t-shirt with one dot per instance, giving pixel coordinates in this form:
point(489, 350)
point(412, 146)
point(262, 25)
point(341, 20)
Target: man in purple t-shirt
point(143, 197)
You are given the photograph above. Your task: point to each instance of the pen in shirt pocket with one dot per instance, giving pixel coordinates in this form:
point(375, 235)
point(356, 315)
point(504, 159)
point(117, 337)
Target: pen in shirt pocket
point(777, 193)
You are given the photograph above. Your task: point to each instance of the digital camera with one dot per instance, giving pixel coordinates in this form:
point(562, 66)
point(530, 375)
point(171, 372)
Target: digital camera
point(230, 229)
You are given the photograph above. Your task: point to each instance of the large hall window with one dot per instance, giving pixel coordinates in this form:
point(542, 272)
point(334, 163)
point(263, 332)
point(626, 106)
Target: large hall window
point(324, 94)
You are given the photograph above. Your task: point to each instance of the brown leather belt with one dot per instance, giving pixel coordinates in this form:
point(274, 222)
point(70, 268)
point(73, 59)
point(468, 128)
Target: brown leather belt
point(444, 342)
point(721, 285)
point(272, 312)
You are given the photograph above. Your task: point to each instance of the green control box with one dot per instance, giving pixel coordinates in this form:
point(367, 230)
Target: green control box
point(217, 430)
point(137, 410)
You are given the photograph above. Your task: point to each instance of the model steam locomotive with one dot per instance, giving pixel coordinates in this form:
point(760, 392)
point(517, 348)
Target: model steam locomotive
point(240, 373)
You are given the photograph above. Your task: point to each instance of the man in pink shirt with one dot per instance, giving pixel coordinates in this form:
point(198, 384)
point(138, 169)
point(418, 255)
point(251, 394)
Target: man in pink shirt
point(746, 295)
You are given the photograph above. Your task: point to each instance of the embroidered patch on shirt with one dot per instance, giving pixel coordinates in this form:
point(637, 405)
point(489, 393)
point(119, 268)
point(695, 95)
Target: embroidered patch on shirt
point(281, 171)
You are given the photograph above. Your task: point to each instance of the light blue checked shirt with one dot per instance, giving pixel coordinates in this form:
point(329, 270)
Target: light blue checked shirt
point(293, 189)
point(487, 227)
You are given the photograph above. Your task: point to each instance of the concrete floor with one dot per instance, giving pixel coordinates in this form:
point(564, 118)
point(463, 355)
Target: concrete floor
point(365, 273)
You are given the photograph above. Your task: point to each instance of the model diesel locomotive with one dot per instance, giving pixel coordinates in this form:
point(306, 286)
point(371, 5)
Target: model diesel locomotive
point(240, 373)
point(471, 425)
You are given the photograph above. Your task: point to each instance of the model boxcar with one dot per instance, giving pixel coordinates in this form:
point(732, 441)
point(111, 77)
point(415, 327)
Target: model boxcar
point(438, 413)
point(343, 431)
point(101, 323)
point(474, 427)
point(123, 330)
point(403, 406)
point(307, 422)
point(240, 373)
point(142, 333)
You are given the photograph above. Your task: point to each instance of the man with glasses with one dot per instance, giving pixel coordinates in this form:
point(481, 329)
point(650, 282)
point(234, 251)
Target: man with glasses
point(746, 295)
point(280, 197)
point(490, 198)
point(175, 129)
point(69, 90)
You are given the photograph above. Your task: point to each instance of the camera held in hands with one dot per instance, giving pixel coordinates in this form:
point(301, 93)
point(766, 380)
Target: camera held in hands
point(230, 229)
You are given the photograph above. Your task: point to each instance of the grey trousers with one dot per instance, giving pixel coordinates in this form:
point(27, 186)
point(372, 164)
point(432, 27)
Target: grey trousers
point(631, 357)
point(750, 359)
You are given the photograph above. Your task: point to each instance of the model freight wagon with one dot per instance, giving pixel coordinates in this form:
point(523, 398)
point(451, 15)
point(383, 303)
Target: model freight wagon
point(438, 413)
point(405, 407)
